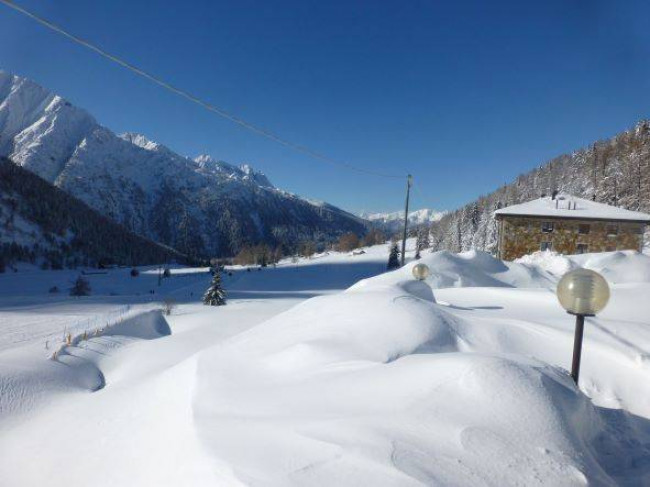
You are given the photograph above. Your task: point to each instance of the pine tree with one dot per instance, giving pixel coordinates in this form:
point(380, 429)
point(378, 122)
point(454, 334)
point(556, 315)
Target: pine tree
point(425, 243)
point(81, 287)
point(215, 295)
point(393, 258)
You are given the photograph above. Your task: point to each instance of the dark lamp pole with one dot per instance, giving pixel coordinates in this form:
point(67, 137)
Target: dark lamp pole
point(582, 292)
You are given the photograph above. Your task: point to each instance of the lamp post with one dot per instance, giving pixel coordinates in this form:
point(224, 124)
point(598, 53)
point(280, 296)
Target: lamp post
point(420, 271)
point(582, 292)
point(418, 287)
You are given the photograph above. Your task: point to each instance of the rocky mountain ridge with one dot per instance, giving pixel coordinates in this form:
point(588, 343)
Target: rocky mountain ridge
point(201, 206)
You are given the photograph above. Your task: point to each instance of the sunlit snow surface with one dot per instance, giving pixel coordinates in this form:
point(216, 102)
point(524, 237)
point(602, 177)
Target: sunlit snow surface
point(384, 383)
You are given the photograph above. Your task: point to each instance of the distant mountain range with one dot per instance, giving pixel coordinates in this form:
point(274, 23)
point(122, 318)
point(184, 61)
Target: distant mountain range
point(391, 222)
point(201, 206)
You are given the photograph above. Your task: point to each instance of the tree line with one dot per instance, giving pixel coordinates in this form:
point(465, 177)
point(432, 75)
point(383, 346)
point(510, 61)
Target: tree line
point(65, 232)
point(264, 254)
point(614, 171)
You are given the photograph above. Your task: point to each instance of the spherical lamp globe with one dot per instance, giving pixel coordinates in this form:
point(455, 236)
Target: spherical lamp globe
point(421, 271)
point(583, 292)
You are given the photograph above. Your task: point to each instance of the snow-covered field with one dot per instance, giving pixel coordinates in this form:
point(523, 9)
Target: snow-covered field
point(318, 373)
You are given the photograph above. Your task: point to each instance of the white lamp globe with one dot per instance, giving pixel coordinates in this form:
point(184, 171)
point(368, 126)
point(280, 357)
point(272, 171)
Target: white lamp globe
point(421, 271)
point(583, 292)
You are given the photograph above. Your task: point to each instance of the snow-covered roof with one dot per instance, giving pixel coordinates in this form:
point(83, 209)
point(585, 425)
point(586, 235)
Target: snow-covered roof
point(567, 206)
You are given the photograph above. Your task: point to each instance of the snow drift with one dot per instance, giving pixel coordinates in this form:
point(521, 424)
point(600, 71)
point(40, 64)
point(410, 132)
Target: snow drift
point(378, 386)
point(382, 384)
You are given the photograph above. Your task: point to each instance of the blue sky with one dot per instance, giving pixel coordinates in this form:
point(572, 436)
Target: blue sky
point(465, 94)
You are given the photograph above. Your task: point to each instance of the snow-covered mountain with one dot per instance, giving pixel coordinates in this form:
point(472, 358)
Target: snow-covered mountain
point(393, 221)
point(200, 206)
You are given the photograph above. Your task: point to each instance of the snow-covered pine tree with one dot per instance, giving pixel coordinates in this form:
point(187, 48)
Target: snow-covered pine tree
point(215, 295)
point(81, 287)
point(393, 258)
point(425, 242)
point(422, 241)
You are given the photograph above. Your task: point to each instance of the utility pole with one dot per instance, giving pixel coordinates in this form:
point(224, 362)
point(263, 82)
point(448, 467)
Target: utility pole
point(409, 181)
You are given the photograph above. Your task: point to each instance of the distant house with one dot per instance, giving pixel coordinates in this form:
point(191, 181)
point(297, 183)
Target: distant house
point(567, 225)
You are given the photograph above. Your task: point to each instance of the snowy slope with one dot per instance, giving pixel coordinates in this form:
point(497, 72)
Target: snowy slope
point(201, 206)
point(42, 224)
point(376, 385)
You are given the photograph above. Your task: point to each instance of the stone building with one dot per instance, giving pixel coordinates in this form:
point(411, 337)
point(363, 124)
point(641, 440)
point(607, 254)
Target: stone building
point(567, 225)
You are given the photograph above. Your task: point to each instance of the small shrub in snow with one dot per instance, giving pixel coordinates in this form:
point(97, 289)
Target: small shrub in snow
point(135, 272)
point(81, 287)
point(215, 295)
point(53, 290)
point(167, 272)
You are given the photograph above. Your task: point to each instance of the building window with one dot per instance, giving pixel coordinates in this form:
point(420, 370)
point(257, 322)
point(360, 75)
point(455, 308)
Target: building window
point(546, 246)
point(547, 227)
point(638, 230)
point(582, 248)
point(584, 229)
point(612, 230)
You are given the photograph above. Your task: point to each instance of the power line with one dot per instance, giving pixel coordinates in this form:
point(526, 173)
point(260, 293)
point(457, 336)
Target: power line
point(423, 200)
point(195, 99)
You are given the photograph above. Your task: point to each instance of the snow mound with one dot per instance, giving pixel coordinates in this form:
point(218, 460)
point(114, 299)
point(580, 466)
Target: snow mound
point(552, 262)
point(625, 266)
point(538, 270)
point(374, 386)
point(471, 269)
point(78, 366)
point(147, 326)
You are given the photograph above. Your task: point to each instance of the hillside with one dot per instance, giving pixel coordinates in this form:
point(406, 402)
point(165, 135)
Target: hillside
point(614, 171)
point(199, 206)
point(460, 380)
point(40, 223)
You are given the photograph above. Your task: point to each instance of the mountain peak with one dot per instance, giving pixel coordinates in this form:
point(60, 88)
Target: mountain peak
point(255, 176)
point(424, 215)
point(244, 172)
point(209, 164)
point(140, 140)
